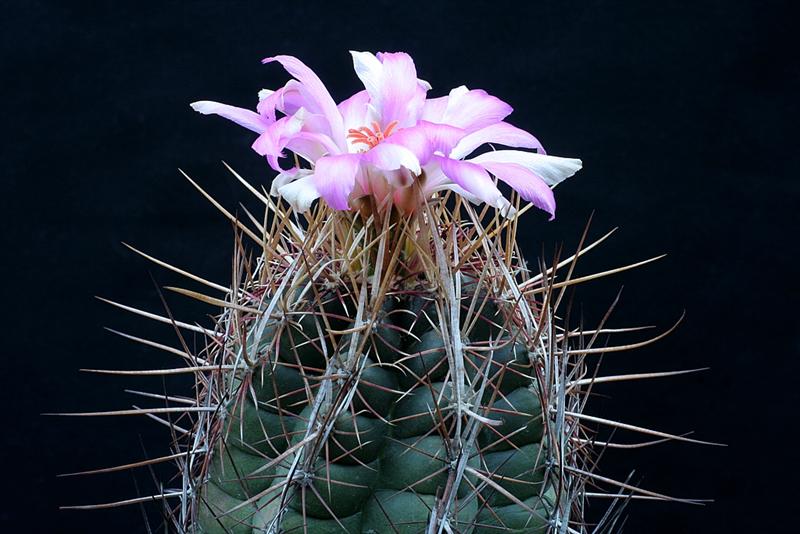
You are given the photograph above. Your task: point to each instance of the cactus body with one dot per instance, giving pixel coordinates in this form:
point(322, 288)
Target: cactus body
point(391, 451)
point(375, 372)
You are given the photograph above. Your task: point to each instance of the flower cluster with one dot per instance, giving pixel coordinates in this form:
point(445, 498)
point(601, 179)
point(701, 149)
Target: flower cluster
point(390, 140)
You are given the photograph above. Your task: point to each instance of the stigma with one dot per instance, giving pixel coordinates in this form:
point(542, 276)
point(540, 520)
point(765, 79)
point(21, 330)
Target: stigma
point(370, 136)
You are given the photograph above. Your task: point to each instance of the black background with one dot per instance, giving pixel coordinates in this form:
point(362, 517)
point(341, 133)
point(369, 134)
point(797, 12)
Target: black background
point(681, 111)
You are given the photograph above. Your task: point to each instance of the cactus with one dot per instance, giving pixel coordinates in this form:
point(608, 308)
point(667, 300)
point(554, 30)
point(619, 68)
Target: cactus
point(363, 396)
point(396, 367)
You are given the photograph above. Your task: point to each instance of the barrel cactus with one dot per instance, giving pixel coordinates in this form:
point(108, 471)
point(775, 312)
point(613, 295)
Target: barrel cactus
point(387, 361)
point(366, 384)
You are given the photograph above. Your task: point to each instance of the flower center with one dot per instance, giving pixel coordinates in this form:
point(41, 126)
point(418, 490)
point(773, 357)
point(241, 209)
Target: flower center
point(371, 136)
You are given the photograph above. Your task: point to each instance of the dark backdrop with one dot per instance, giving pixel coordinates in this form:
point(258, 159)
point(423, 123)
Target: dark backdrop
point(681, 112)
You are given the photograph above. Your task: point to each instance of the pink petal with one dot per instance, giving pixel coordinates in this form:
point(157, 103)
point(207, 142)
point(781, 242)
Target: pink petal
point(473, 178)
point(355, 110)
point(243, 117)
point(469, 109)
point(268, 102)
point(552, 169)
point(288, 99)
point(311, 146)
point(316, 97)
point(391, 81)
point(299, 133)
point(434, 108)
point(334, 178)
point(274, 139)
point(500, 133)
point(442, 137)
point(390, 157)
point(527, 184)
point(414, 140)
point(427, 138)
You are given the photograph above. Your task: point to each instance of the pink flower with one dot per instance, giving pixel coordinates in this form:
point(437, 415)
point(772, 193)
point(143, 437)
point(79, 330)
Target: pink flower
point(381, 140)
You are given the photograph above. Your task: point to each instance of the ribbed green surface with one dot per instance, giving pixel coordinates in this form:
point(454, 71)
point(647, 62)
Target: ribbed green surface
point(390, 453)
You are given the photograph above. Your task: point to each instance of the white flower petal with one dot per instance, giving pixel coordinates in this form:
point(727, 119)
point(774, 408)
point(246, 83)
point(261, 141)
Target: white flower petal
point(552, 169)
point(300, 193)
point(287, 177)
point(243, 117)
point(369, 70)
